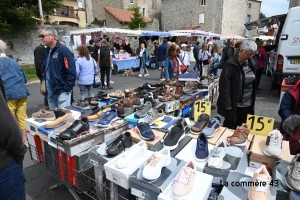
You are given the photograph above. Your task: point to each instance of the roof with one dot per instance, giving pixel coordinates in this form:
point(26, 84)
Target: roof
point(122, 15)
point(190, 27)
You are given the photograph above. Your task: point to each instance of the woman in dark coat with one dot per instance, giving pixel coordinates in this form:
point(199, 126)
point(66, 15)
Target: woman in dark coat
point(237, 86)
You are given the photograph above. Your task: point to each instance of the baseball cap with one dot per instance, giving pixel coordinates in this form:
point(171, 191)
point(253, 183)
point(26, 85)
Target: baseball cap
point(184, 45)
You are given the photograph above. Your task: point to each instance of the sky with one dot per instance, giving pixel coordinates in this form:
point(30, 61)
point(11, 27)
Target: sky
point(274, 7)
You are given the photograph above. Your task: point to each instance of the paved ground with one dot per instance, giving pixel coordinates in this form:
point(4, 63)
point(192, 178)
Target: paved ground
point(39, 180)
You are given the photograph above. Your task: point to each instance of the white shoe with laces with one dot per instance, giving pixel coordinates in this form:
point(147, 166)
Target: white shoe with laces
point(154, 165)
point(217, 154)
point(111, 81)
point(146, 75)
point(140, 76)
point(274, 144)
point(261, 189)
point(105, 83)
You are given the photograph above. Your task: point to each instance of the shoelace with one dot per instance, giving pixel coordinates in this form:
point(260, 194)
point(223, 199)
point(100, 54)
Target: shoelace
point(211, 123)
point(261, 187)
point(199, 122)
point(296, 173)
point(184, 179)
point(275, 141)
point(201, 147)
point(237, 133)
point(153, 161)
point(216, 152)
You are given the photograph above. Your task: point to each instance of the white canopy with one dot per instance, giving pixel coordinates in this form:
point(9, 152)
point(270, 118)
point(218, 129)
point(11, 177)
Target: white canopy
point(237, 37)
point(107, 31)
point(265, 37)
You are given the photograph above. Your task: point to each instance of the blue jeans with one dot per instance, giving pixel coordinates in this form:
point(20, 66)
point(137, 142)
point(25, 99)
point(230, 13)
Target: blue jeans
point(197, 65)
point(214, 71)
point(12, 180)
point(83, 89)
point(61, 101)
point(153, 59)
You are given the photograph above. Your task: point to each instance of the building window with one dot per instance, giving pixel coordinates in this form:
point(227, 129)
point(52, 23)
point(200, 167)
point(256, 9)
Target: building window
point(201, 18)
point(143, 11)
point(249, 5)
point(154, 4)
point(249, 18)
point(202, 2)
point(132, 1)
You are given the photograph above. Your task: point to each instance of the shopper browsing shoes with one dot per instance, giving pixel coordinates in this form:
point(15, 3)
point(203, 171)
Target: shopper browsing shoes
point(172, 63)
point(237, 86)
point(105, 62)
point(144, 56)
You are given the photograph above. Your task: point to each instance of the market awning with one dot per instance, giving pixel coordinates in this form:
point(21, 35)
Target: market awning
point(237, 37)
point(107, 31)
point(156, 33)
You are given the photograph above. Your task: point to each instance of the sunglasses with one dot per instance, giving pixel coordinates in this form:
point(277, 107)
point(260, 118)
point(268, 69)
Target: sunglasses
point(42, 36)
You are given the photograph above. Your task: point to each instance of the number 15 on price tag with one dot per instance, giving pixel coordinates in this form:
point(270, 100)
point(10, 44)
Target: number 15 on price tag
point(260, 125)
point(201, 107)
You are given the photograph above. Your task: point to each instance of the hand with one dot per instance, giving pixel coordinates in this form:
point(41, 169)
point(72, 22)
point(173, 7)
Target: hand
point(228, 108)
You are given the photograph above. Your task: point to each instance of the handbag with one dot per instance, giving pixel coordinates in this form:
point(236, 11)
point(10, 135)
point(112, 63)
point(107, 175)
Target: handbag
point(97, 80)
point(43, 88)
point(177, 65)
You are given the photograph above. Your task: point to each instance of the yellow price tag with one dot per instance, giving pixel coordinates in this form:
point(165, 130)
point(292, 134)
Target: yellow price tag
point(260, 125)
point(201, 107)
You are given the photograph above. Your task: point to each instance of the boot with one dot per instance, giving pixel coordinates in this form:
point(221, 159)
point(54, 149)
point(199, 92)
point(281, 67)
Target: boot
point(178, 92)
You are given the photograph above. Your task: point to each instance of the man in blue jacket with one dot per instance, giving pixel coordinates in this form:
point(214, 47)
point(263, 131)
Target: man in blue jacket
point(59, 69)
point(196, 53)
point(161, 56)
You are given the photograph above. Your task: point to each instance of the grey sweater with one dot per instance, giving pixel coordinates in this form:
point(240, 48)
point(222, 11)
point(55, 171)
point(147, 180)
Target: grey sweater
point(11, 145)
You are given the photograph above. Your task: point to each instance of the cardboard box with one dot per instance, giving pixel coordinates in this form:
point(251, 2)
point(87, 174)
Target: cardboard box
point(279, 172)
point(182, 143)
point(121, 176)
point(258, 158)
point(188, 154)
point(33, 124)
point(165, 123)
point(234, 190)
point(198, 95)
point(43, 136)
point(36, 147)
point(149, 190)
point(136, 137)
point(212, 140)
point(171, 106)
point(229, 132)
point(201, 188)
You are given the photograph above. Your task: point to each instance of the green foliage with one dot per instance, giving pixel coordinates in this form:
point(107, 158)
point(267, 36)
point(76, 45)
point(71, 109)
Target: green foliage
point(137, 20)
point(262, 16)
point(19, 16)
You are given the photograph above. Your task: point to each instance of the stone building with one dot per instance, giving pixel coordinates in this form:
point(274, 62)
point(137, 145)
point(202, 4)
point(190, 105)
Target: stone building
point(253, 14)
point(294, 3)
point(149, 8)
point(218, 16)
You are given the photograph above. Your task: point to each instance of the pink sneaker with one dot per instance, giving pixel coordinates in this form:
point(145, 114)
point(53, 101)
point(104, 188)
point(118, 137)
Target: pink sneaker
point(185, 181)
point(261, 192)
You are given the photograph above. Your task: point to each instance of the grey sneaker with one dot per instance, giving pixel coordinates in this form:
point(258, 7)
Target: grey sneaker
point(44, 114)
point(155, 115)
point(292, 179)
point(213, 126)
point(144, 111)
point(274, 144)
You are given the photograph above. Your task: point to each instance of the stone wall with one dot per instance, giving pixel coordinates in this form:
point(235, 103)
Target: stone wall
point(98, 7)
point(234, 17)
point(89, 11)
point(111, 22)
point(254, 12)
point(23, 46)
point(177, 14)
point(294, 3)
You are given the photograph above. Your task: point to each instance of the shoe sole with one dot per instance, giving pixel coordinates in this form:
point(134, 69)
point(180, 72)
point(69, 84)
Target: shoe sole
point(218, 129)
point(176, 145)
point(270, 154)
point(239, 145)
point(182, 197)
point(165, 165)
point(290, 186)
point(201, 160)
point(47, 119)
point(105, 126)
point(195, 133)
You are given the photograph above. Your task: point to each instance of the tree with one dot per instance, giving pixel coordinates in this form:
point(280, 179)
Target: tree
point(262, 15)
point(137, 21)
point(19, 16)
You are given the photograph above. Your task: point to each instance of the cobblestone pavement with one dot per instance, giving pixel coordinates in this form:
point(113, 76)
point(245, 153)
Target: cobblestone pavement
point(39, 180)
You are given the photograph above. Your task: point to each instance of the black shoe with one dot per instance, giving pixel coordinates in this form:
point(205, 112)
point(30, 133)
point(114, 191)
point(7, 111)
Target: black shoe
point(76, 128)
point(119, 144)
point(109, 88)
point(183, 125)
point(149, 98)
point(155, 96)
point(92, 111)
point(176, 134)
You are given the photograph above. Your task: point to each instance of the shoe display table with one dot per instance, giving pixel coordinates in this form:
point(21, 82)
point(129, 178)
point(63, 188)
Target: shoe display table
point(128, 63)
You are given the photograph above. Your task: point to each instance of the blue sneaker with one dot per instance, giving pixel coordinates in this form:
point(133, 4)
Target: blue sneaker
point(145, 131)
point(109, 117)
point(202, 148)
point(213, 126)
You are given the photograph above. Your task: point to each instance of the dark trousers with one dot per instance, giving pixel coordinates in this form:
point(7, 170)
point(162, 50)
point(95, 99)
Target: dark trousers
point(258, 75)
point(105, 71)
point(12, 182)
point(241, 114)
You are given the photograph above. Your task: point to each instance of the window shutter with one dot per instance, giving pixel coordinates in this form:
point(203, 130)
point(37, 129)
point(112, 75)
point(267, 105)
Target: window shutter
point(154, 4)
point(71, 11)
point(58, 11)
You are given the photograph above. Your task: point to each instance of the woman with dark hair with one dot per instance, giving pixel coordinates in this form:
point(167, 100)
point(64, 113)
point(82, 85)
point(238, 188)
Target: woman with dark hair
point(172, 61)
point(86, 68)
point(261, 58)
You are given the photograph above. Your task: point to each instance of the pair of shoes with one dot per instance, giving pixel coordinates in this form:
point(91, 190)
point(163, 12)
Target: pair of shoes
point(155, 115)
point(98, 115)
point(122, 142)
point(200, 124)
point(117, 94)
point(168, 96)
point(65, 117)
point(145, 131)
point(240, 136)
point(273, 145)
point(147, 107)
point(292, 179)
point(82, 104)
point(108, 118)
point(75, 129)
point(44, 114)
point(150, 98)
point(176, 134)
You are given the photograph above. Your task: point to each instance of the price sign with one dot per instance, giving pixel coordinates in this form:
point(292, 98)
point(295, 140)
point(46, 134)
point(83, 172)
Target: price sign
point(201, 107)
point(260, 125)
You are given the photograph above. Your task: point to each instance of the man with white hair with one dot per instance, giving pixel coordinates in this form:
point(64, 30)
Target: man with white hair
point(59, 69)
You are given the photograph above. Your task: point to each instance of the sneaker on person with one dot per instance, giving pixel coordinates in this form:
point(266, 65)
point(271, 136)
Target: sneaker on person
point(108, 118)
point(111, 82)
point(200, 124)
point(131, 155)
point(240, 136)
point(176, 134)
point(260, 188)
point(274, 144)
point(105, 83)
point(159, 68)
point(213, 126)
point(292, 179)
point(146, 75)
point(155, 115)
point(202, 152)
point(162, 79)
point(145, 131)
point(216, 155)
point(185, 181)
point(140, 76)
point(154, 165)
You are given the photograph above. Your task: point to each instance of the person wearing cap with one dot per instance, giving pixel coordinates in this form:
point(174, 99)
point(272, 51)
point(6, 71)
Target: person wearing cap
point(184, 56)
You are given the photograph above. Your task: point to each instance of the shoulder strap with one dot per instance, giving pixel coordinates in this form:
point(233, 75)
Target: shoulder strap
point(51, 55)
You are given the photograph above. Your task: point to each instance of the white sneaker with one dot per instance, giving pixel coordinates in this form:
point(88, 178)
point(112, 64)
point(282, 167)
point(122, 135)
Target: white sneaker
point(146, 75)
point(112, 81)
point(105, 83)
point(274, 144)
point(159, 68)
point(140, 76)
point(153, 166)
point(162, 79)
point(217, 154)
point(131, 155)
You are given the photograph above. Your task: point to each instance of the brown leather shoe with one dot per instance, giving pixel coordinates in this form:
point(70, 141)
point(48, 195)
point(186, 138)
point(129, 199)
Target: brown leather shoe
point(128, 102)
point(200, 124)
point(240, 136)
point(168, 96)
point(161, 91)
point(120, 108)
point(178, 92)
point(99, 115)
point(136, 101)
point(67, 118)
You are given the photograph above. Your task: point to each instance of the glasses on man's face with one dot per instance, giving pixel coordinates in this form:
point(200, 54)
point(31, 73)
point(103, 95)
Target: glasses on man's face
point(43, 36)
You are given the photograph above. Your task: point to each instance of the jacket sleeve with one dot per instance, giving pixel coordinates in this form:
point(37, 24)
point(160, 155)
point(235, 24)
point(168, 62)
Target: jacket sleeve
point(77, 69)
point(229, 52)
point(226, 83)
point(10, 137)
point(287, 106)
point(69, 64)
point(166, 68)
point(24, 75)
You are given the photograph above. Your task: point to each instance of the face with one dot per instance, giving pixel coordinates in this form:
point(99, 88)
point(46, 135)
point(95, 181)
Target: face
point(184, 48)
point(176, 52)
point(142, 45)
point(99, 44)
point(46, 39)
point(246, 55)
